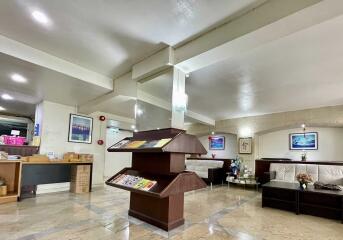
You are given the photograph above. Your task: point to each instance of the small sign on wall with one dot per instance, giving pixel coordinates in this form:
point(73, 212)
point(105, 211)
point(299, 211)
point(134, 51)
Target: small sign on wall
point(217, 142)
point(245, 145)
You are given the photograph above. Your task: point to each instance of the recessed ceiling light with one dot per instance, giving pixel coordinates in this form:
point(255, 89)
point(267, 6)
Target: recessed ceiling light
point(6, 96)
point(133, 126)
point(41, 17)
point(18, 78)
point(2, 109)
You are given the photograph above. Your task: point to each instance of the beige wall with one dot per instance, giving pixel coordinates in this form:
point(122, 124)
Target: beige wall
point(258, 125)
point(116, 161)
point(54, 136)
point(276, 144)
point(230, 150)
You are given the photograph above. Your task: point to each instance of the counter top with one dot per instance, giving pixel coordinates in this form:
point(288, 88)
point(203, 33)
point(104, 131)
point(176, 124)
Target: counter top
point(10, 161)
point(55, 162)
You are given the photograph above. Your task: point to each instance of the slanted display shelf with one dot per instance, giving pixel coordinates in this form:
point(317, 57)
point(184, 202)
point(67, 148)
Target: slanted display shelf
point(157, 180)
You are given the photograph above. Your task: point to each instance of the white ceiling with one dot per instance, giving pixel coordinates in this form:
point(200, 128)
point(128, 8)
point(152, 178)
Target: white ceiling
point(303, 70)
point(109, 36)
point(160, 86)
point(42, 84)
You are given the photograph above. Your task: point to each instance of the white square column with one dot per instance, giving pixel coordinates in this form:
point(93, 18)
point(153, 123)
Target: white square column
point(179, 99)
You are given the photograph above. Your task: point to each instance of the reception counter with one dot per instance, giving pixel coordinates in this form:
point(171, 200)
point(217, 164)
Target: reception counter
point(36, 173)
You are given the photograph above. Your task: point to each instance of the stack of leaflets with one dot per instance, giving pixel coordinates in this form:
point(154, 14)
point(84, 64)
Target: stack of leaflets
point(134, 144)
point(134, 182)
point(3, 155)
point(120, 144)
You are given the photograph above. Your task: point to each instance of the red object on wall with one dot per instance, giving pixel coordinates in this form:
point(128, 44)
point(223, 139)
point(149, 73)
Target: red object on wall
point(100, 142)
point(102, 118)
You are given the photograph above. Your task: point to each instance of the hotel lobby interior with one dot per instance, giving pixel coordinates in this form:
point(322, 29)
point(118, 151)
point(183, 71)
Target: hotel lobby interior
point(171, 119)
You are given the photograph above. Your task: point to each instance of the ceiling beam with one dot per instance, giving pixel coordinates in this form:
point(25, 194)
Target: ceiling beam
point(270, 21)
point(125, 88)
point(148, 98)
point(118, 118)
point(29, 54)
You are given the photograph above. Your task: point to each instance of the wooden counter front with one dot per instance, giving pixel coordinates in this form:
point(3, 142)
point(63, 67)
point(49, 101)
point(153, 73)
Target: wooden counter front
point(11, 172)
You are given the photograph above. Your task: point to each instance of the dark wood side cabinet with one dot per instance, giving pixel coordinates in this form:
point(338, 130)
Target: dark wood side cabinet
point(316, 202)
point(19, 150)
point(162, 205)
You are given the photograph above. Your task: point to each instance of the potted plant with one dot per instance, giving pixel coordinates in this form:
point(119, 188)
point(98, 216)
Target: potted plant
point(304, 179)
point(235, 166)
point(3, 187)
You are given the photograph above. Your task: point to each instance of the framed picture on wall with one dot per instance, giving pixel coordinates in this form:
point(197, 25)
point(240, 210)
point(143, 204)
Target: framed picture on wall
point(303, 141)
point(245, 145)
point(80, 129)
point(217, 142)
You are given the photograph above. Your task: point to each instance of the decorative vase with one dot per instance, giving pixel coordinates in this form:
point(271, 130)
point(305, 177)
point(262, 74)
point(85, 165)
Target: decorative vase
point(303, 185)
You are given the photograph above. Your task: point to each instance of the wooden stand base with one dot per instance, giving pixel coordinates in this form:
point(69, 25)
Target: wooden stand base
point(165, 213)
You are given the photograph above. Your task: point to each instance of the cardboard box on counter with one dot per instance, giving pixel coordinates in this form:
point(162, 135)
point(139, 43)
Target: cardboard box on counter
point(70, 156)
point(3, 155)
point(38, 158)
point(76, 157)
point(86, 157)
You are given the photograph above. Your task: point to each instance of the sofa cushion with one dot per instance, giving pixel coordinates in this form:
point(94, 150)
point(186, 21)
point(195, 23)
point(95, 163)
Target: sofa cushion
point(284, 172)
point(311, 169)
point(206, 163)
point(201, 167)
point(332, 174)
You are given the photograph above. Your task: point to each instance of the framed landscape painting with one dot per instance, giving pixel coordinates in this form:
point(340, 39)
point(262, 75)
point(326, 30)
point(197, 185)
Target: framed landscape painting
point(217, 142)
point(80, 129)
point(245, 145)
point(303, 141)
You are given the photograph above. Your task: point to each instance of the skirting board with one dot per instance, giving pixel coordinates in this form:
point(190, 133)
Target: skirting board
point(58, 187)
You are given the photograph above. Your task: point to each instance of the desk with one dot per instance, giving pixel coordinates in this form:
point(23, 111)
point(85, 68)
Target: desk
point(35, 173)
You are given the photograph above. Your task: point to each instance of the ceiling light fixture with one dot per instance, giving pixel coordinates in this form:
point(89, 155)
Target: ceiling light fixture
point(41, 17)
point(133, 126)
point(6, 96)
point(18, 78)
point(2, 109)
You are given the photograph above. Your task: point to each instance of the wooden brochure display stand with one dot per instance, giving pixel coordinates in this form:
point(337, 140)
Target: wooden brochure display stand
point(159, 155)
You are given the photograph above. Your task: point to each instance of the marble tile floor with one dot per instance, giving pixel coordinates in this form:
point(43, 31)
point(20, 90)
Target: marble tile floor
point(221, 213)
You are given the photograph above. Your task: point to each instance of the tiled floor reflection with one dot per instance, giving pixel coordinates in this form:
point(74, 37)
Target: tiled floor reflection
point(218, 214)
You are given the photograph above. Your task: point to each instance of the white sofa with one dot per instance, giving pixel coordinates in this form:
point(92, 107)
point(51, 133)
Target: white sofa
point(210, 170)
point(287, 172)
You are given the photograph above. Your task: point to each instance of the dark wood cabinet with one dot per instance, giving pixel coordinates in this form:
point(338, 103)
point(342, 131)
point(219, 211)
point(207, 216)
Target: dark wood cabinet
point(162, 205)
point(19, 150)
point(316, 202)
